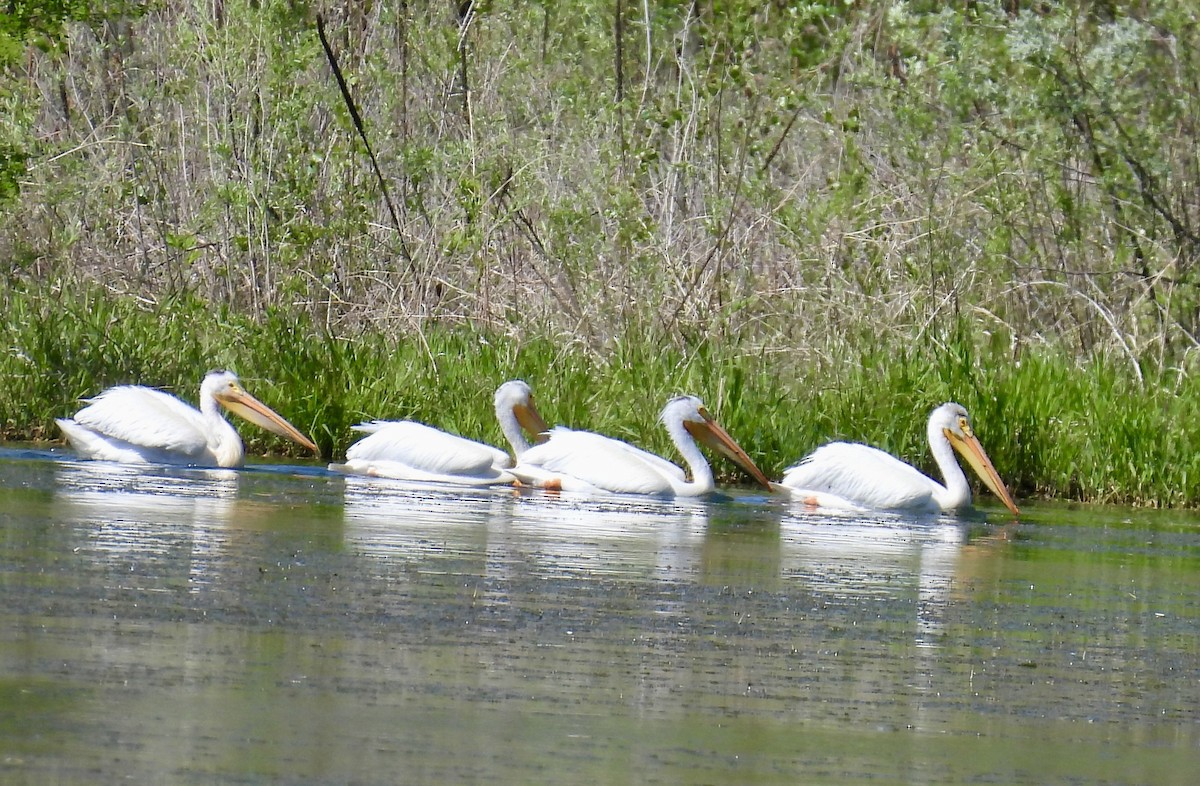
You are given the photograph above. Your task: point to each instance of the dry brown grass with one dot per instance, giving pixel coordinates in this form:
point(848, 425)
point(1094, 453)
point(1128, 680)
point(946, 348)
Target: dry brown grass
point(744, 194)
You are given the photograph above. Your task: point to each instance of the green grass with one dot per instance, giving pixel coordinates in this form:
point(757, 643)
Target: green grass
point(824, 221)
point(1053, 427)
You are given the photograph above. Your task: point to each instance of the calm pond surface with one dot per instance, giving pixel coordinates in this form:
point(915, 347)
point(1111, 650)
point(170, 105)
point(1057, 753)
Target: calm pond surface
point(284, 625)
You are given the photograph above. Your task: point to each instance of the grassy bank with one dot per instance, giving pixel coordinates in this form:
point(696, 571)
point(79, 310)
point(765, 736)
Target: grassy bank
point(1053, 427)
point(823, 217)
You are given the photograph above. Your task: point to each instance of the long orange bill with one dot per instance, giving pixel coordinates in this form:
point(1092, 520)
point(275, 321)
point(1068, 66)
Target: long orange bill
point(973, 452)
point(246, 406)
point(711, 434)
point(531, 421)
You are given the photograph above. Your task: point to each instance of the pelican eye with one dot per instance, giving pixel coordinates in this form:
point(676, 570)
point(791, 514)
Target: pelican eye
point(964, 426)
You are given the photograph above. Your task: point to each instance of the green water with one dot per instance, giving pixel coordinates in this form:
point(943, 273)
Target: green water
point(283, 625)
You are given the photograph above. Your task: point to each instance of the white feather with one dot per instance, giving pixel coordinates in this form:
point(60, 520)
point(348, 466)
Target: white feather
point(844, 474)
point(422, 449)
point(862, 476)
point(588, 462)
point(132, 424)
point(146, 418)
point(139, 425)
point(408, 450)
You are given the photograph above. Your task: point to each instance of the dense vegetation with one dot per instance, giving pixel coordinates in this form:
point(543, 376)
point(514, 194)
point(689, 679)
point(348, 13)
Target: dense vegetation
point(823, 217)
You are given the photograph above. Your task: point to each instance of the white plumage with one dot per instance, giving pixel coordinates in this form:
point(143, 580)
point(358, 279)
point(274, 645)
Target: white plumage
point(139, 425)
point(852, 475)
point(582, 461)
point(407, 450)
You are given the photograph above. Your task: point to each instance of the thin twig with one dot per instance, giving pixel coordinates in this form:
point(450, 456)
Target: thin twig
point(358, 125)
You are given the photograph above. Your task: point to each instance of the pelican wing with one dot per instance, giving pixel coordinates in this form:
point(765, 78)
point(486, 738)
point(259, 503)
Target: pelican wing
point(862, 475)
point(597, 461)
point(145, 418)
point(424, 448)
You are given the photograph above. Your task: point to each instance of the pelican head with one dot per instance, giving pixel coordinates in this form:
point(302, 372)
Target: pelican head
point(952, 421)
point(692, 414)
point(516, 396)
point(224, 388)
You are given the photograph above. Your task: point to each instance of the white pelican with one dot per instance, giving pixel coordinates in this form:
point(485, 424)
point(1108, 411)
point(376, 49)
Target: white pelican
point(851, 475)
point(139, 425)
point(407, 450)
point(587, 462)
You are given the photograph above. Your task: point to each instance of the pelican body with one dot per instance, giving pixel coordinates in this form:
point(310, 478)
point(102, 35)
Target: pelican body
point(582, 461)
point(407, 450)
point(851, 475)
point(132, 424)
